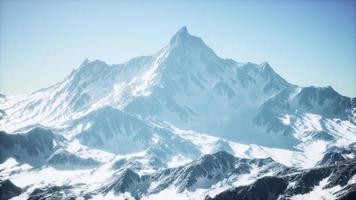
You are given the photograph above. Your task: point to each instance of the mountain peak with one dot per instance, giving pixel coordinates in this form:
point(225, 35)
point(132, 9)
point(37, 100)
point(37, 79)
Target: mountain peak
point(91, 67)
point(183, 30)
point(184, 42)
point(85, 62)
point(180, 36)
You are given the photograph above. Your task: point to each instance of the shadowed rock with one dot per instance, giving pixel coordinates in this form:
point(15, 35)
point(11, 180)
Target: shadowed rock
point(8, 190)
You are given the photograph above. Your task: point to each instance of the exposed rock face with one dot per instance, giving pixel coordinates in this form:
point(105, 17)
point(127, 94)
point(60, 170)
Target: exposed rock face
point(201, 173)
point(8, 190)
point(210, 167)
point(331, 158)
point(275, 180)
point(32, 147)
point(126, 181)
point(301, 182)
point(348, 193)
point(266, 188)
point(53, 192)
point(62, 159)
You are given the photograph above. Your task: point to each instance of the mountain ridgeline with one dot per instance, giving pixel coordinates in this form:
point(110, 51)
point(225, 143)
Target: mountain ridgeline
point(183, 121)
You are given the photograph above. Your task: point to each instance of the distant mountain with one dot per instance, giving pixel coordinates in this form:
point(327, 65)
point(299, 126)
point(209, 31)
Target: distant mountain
point(154, 125)
point(187, 84)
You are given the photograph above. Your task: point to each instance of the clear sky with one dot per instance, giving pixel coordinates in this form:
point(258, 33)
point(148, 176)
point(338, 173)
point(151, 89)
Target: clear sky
point(306, 42)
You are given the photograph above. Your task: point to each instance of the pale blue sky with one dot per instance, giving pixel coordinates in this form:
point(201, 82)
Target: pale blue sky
point(307, 43)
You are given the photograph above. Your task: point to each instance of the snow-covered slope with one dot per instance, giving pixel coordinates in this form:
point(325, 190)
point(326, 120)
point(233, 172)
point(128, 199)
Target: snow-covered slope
point(310, 113)
point(188, 85)
point(335, 181)
point(145, 126)
point(215, 176)
point(198, 90)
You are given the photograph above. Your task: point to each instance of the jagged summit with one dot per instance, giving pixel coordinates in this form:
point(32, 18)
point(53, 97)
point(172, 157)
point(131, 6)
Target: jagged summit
point(184, 39)
point(266, 65)
point(85, 62)
point(148, 115)
point(185, 84)
point(95, 66)
point(183, 31)
point(180, 35)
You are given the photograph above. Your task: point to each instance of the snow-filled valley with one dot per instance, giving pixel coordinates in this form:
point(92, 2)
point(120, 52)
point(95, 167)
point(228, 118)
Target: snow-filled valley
point(180, 124)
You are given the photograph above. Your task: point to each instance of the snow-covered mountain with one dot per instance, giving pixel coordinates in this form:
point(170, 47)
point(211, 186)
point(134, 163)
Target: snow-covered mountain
point(143, 129)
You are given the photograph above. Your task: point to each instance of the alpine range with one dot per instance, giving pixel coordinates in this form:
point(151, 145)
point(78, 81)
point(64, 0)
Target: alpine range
point(180, 124)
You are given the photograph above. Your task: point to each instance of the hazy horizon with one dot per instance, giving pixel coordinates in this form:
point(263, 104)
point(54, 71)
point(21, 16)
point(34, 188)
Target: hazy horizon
point(307, 43)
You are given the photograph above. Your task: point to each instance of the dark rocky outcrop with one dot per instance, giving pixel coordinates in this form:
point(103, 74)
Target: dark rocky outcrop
point(8, 190)
point(126, 181)
point(52, 193)
point(348, 193)
point(266, 188)
point(338, 174)
point(63, 159)
point(331, 158)
point(201, 173)
point(32, 147)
